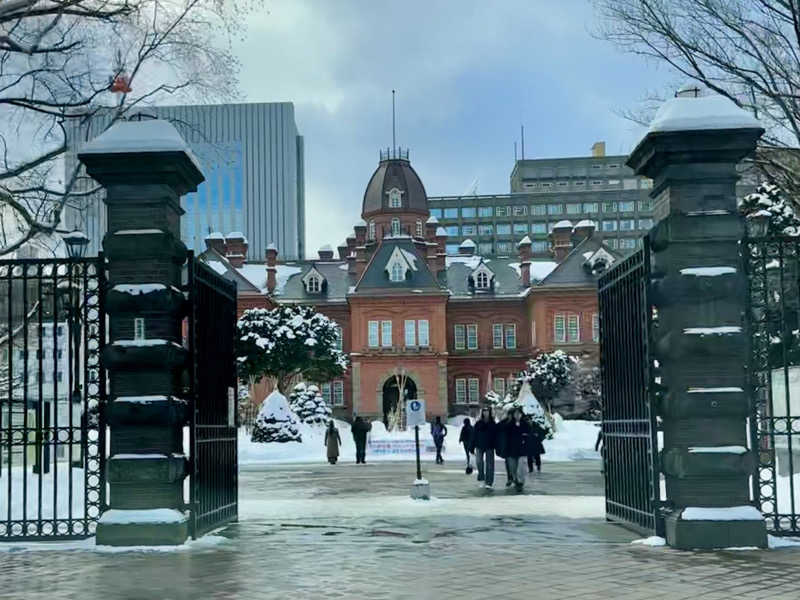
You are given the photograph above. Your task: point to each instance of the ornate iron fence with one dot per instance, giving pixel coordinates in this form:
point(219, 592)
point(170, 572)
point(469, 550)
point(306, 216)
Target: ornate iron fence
point(773, 270)
point(213, 431)
point(630, 442)
point(52, 389)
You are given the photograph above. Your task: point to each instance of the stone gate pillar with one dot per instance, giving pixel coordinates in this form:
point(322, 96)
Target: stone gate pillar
point(145, 167)
point(700, 336)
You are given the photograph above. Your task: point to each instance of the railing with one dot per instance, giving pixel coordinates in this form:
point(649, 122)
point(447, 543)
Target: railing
point(394, 154)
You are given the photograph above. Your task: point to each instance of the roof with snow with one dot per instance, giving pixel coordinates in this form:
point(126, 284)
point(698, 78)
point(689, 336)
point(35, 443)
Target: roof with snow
point(506, 283)
point(572, 270)
point(563, 225)
point(215, 235)
point(418, 276)
point(712, 111)
point(525, 240)
point(467, 243)
point(432, 219)
point(586, 223)
point(441, 231)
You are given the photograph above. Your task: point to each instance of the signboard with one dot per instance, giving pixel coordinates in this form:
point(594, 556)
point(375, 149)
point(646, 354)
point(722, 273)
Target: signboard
point(231, 407)
point(415, 412)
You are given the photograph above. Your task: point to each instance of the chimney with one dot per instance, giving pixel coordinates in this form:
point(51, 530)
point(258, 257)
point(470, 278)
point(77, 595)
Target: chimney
point(216, 241)
point(598, 149)
point(325, 253)
point(272, 262)
point(236, 248)
point(430, 228)
point(342, 249)
point(524, 247)
point(441, 250)
point(561, 240)
point(360, 229)
point(583, 230)
point(467, 248)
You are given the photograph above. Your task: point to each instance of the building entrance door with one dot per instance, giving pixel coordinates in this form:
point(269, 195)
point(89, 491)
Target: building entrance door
point(391, 397)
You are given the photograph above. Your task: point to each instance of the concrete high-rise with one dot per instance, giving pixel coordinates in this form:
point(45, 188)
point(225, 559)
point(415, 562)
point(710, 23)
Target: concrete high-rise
point(253, 161)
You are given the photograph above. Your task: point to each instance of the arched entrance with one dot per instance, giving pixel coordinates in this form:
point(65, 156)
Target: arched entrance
point(391, 395)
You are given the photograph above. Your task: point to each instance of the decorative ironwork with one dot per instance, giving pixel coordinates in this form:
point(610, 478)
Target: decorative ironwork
point(773, 270)
point(52, 389)
point(630, 442)
point(213, 427)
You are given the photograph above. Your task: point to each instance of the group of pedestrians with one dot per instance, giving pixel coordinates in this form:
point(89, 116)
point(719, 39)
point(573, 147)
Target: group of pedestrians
point(515, 438)
point(333, 441)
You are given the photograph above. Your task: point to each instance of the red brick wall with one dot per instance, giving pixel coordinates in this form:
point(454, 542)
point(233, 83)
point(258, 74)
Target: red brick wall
point(544, 305)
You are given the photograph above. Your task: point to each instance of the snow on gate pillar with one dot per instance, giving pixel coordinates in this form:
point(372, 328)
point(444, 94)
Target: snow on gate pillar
point(145, 167)
point(691, 151)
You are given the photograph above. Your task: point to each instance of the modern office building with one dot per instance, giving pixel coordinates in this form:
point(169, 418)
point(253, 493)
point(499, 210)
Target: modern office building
point(252, 159)
point(545, 192)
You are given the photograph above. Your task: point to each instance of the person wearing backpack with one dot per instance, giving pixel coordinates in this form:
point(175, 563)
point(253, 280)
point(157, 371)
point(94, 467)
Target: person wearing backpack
point(438, 433)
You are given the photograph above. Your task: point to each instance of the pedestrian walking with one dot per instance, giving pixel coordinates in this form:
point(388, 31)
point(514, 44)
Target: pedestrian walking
point(333, 442)
point(438, 433)
point(483, 440)
point(518, 434)
point(536, 447)
point(501, 445)
point(465, 439)
point(360, 429)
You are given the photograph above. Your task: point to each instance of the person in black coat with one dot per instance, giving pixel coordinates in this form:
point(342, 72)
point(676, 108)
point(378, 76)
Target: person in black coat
point(360, 429)
point(518, 437)
point(483, 440)
point(500, 444)
point(465, 439)
point(536, 447)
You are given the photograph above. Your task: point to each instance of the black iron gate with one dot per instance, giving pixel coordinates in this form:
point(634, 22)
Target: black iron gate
point(773, 272)
point(630, 438)
point(214, 474)
point(52, 388)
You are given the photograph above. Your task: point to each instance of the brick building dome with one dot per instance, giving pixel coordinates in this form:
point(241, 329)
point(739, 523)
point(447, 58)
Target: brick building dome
point(394, 187)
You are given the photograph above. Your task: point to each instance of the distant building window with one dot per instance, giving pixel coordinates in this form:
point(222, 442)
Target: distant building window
point(450, 213)
point(503, 248)
point(573, 329)
point(423, 334)
point(473, 390)
point(613, 166)
point(461, 391)
point(452, 230)
point(562, 184)
point(627, 224)
point(502, 211)
point(520, 228)
point(591, 207)
point(610, 225)
point(371, 230)
point(595, 327)
point(373, 334)
point(520, 211)
point(573, 209)
point(138, 328)
point(395, 227)
point(630, 183)
point(436, 212)
point(645, 223)
point(529, 186)
point(597, 182)
point(485, 211)
point(497, 336)
point(469, 229)
point(628, 206)
point(485, 247)
point(596, 167)
point(472, 336)
point(511, 336)
point(579, 184)
point(555, 209)
point(645, 205)
point(546, 185)
point(410, 333)
point(485, 230)
point(538, 210)
point(419, 228)
point(386, 334)
point(468, 212)
point(647, 183)
point(559, 329)
point(611, 243)
point(397, 273)
point(627, 243)
point(499, 386)
point(609, 207)
point(338, 393)
point(540, 247)
point(538, 227)
point(504, 229)
point(459, 337)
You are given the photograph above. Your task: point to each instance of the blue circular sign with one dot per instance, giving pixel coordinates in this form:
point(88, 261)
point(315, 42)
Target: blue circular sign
point(415, 405)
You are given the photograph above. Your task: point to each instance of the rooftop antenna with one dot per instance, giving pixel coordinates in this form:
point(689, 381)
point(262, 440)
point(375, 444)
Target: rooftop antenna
point(522, 134)
point(515, 151)
point(394, 145)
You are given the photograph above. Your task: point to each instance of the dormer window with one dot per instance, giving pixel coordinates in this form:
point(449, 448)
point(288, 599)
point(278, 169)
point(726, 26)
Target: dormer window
point(482, 280)
point(398, 273)
point(395, 227)
point(482, 277)
point(313, 281)
point(399, 264)
point(395, 198)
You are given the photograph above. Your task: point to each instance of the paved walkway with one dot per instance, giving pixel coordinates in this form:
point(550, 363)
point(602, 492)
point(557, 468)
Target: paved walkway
point(349, 532)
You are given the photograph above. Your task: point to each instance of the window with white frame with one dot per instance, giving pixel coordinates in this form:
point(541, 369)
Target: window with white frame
point(461, 391)
point(395, 198)
point(560, 329)
point(395, 227)
point(469, 229)
point(459, 337)
point(410, 333)
point(397, 273)
point(573, 208)
point(591, 207)
point(423, 335)
point(419, 228)
point(497, 335)
point(538, 227)
point(372, 335)
point(573, 329)
point(609, 225)
point(520, 211)
point(314, 285)
point(511, 336)
point(337, 340)
point(386, 334)
point(138, 328)
point(482, 280)
point(502, 211)
point(325, 390)
point(504, 229)
point(473, 390)
point(499, 386)
point(485, 211)
point(627, 224)
point(538, 209)
point(520, 228)
point(627, 243)
point(468, 212)
point(371, 230)
point(555, 209)
point(595, 327)
point(338, 393)
point(627, 206)
point(472, 336)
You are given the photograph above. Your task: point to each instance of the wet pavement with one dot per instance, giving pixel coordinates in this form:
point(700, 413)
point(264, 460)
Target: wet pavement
point(349, 531)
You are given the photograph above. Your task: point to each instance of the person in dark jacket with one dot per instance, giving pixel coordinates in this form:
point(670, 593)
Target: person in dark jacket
point(465, 439)
point(518, 434)
point(438, 433)
point(536, 447)
point(500, 444)
point(483, 440)
point(333, 442)
point(360, 429)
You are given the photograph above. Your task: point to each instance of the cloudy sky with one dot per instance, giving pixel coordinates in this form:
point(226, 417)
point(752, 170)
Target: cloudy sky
point(467, 74)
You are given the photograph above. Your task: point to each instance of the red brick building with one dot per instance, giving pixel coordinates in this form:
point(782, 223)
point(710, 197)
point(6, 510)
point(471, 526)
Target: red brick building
point(456, 325)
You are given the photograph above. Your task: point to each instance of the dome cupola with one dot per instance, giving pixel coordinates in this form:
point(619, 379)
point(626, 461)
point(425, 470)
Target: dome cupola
point(394, 187)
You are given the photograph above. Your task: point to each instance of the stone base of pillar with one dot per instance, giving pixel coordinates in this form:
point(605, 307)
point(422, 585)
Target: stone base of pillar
point(152, 527)
point(713, 535)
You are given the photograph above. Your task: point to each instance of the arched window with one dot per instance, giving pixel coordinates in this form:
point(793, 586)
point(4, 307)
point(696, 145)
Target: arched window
point(395, 227)
point(371, 232)
point(482, 280)
point(394, 198)
point(397, 272)
point(314, 285)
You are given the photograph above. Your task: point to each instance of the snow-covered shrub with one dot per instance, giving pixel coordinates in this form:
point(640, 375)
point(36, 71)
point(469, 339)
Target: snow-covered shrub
point(275, 421)
point(307, 403)
point(767, 200)
point(548, 373)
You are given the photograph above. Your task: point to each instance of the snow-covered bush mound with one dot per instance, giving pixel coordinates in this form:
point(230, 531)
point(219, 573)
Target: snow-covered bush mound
point(276, 422)
point(307, 403)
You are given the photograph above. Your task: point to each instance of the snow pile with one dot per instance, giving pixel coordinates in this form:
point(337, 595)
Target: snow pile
point(307, 403)
point(275, 421)
point(702, 112)
point(653, 540)
point(150, 516)
point(730, 513)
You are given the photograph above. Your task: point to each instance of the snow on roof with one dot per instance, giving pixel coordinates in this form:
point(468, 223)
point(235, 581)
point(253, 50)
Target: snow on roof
point(563, 225)
point(272, 246)
point(525, 240)
point(155, 135)
point(217, 266)
point(325, 248)
point(685, 113)
point(257, 275)
point(432, 219)
point(441, 231)
point(515, 266)
point(471, 262)
point(542, 268)
point(585, 223)
point(215, 235)
point(411, 258)
point(235, 235)
point(467, 243)
point(361, 223)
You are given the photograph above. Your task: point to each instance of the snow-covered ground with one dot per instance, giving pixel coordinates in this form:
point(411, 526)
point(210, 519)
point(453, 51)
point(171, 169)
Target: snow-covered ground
point(573, 440)
point(50, 486)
